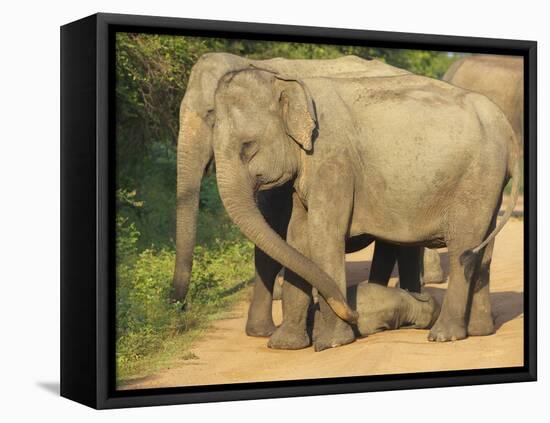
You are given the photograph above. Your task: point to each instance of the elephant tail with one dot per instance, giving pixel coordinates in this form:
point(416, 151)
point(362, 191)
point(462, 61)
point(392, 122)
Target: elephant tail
point(514, 170)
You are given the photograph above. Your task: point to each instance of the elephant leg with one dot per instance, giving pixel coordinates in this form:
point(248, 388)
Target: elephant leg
point(276, 206)
point(481, 321)
point(328, 252)
point(383, 262)
point(451, 324)
point(296, 293)
point(260, 319)
point(329, 214)
point(431, 267)
point(409, 264)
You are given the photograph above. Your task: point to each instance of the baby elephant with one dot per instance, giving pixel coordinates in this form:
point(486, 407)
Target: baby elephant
point(381, 308)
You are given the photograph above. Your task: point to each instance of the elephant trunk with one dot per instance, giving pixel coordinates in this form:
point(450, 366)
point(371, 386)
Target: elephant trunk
point(194, 154)
point(238, 197)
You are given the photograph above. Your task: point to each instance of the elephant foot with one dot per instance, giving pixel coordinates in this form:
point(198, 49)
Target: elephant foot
point(447, 330)
point(260, 328)
point(289, 337)
point(433, 273)
point(336, 335)
point(481, 322)
point(481, 325)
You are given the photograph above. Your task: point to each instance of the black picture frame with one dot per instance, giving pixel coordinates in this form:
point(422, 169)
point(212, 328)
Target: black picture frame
point(87, 210)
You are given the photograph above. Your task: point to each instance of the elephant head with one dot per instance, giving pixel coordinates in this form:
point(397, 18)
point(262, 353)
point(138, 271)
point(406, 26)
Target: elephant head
point(195, 152)
point(263, 123)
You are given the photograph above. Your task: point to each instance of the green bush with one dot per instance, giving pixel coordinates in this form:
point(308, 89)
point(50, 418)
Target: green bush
point(146, 319)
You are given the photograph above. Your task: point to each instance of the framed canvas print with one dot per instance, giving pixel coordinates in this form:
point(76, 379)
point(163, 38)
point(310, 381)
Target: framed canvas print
point(258, 211)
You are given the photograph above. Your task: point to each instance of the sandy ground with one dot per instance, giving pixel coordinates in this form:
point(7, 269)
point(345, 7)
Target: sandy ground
point(226, 355)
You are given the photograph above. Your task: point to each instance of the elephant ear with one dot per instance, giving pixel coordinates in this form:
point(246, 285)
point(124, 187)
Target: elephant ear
point(297, 110)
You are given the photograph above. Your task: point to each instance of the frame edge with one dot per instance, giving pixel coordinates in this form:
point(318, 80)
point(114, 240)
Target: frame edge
point(78, 212)
point(103, 397)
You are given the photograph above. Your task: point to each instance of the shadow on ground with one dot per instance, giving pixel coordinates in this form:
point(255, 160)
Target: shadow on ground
point(51, 387)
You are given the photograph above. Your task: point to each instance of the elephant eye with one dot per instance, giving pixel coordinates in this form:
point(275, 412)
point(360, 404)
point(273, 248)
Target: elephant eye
point(248, 150)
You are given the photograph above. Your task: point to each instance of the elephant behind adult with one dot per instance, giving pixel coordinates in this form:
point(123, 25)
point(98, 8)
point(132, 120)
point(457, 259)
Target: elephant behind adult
point(197, 115)
point(500, 78)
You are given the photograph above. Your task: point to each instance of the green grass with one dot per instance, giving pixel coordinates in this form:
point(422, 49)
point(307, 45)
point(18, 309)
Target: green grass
point(175, 347)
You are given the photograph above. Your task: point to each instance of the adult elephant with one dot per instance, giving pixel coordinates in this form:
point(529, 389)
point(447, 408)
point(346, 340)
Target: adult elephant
point(498, 77)
point(197, 115)
point(406, 159)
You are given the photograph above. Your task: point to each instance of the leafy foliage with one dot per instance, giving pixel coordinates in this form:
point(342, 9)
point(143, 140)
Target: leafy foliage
point(145, 317)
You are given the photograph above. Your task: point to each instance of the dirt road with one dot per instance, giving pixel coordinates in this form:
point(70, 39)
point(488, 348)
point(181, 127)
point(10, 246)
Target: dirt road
point(226, 355)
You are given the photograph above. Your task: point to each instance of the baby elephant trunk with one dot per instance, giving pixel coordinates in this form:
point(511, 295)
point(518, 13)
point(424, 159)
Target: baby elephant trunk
point(381, 308)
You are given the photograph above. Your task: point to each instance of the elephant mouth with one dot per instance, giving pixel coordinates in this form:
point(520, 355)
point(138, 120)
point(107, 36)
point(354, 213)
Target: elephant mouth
point(263, 186)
